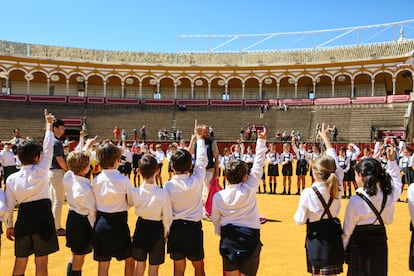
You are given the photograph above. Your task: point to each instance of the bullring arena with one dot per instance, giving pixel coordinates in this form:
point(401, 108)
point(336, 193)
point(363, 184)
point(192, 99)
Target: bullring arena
point(363, 89)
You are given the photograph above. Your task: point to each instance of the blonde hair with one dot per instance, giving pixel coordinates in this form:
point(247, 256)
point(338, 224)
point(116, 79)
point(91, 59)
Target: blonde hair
point(325, 167)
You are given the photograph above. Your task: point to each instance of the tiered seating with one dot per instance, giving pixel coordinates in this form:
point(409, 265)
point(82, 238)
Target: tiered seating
point(305, 56)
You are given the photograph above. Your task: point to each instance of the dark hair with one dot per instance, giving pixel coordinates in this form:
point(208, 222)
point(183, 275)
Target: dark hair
point(342, 148)
point(235, 170)
point(107, 154)
point(181, 160)
point(77, 161)
point(374, 173)
point(28, 150)
point(58, 122)
point(147, 166)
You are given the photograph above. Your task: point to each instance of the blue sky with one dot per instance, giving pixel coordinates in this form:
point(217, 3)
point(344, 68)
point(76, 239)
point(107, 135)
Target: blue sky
point(153, 25)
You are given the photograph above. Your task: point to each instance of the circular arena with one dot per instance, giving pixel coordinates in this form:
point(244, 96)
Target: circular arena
point(363, 87)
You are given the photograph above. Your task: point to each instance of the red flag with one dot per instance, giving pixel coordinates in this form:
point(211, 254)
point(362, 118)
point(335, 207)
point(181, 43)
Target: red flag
point(214, 188)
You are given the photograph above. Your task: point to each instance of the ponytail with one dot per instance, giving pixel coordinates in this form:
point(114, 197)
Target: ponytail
point(333, 185)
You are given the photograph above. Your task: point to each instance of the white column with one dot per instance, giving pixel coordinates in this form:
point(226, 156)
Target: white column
point(243, 87)
point(394, 80)
point(123, 90)
point(209, 90)
point(260, 90)
point(314, 88)
point(140, 89)
point(277, 89)
point(104, 88)
point(296, 89)
point(67, 87)
point(226, 90)
point(48, 86)
point(333, 87)
point(192, 90)
point(175, 90)
point(372, 87)
point(352, 88)
point(158, 87)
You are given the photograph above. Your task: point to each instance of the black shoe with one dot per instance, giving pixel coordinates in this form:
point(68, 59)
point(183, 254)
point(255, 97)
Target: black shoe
point(284, 192)
point(297, 193)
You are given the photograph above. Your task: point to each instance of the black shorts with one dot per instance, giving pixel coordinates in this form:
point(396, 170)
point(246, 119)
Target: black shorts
point(186, 240)
point(273, 170)
point(156, 254)
point(248, 266)
point(78, 233)
point(33, 244)
point(111, 237)
point(149, 239)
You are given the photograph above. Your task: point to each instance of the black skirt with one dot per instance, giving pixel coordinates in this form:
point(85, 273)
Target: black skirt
point(273, 170)
point(367, 251)
point(324, 245)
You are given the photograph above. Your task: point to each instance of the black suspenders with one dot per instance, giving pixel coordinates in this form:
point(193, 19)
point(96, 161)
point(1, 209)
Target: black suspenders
point(378, 214)
point(325, 206)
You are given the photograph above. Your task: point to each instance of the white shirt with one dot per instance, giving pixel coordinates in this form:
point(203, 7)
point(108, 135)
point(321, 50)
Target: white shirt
point(359, 213)
point(7, 158)
point(79, 195)
point(301, 154)
point(410, 195)
point(310, 207)
point(353, 154)
point(112, 191)
point(3, 206)
point(185, 191)
point(31, 183)
point(272, 158)
point(159, 155)
point(153, 203)
point(128, 155)
point(237, 203)
point(248, 157)
point(406, 162)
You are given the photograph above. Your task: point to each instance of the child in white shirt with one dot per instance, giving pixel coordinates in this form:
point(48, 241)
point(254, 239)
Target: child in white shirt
point(235, 214)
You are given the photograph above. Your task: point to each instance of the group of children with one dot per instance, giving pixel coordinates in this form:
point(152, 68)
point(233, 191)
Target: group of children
point(361, 241)
point(169, 218)
point(166, 218)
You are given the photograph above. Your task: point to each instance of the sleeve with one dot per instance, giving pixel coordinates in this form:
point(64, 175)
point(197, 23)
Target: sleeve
point(167, 213)
point(3, 206)
point(357, 151)
point(11, 203)
point(350, 220)
point(300, 216)
point(48, 151)
point(89, 203)
point(80, 144)
point(216, 215)
point(258, 164)
point(129, 195)
point(394, 171)
point(410, 195)
point(201, 160)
